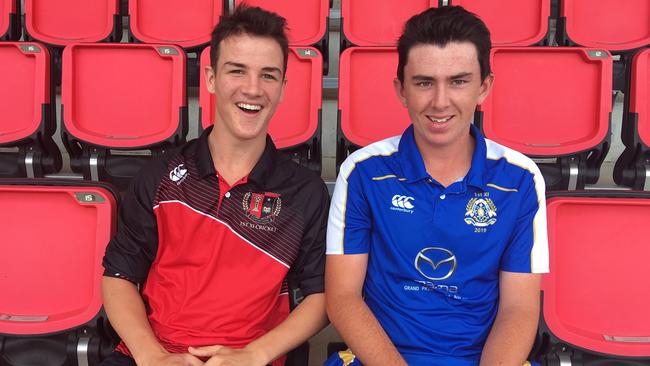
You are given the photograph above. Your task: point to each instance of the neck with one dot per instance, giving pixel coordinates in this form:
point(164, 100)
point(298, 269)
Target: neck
point(234, 159)
point(447, 164)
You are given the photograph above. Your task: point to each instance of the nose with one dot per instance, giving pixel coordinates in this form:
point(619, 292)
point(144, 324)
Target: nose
point(440, 98)
point(252, 87)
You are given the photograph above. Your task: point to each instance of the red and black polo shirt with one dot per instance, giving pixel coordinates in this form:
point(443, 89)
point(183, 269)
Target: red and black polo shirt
point(215, 262)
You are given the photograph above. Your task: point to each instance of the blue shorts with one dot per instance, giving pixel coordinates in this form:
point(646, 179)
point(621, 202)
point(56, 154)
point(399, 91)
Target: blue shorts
point(347, 358)
point(343, 358)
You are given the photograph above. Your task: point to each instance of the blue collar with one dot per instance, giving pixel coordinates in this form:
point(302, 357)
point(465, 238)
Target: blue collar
point(412, 164)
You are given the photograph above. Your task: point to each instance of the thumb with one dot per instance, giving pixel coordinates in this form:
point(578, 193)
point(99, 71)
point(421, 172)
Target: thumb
point(205, 351)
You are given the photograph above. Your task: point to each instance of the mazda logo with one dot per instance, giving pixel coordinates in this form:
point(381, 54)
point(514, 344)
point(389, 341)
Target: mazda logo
point(435, 263)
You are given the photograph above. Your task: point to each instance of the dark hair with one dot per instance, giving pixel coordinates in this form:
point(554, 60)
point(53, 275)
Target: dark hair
point(253, 21)
point(439, 26)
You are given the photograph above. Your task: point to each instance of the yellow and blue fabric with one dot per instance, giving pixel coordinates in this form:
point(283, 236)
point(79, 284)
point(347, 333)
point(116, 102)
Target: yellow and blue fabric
point(343, 358)
point(347, 358)
point(435, 252)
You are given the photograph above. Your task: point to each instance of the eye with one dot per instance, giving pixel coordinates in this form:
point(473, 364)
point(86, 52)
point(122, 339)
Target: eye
point(236, 72)
point(424, 84)
point(458, 82)
point(269, 76)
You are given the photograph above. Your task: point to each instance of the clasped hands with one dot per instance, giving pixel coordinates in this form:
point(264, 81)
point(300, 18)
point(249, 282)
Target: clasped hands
point(211, 356)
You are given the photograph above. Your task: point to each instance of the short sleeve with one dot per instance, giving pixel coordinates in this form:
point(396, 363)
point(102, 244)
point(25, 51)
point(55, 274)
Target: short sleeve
point(131, 251)
point(308, 271)
point(527, 249)
point(349, 224)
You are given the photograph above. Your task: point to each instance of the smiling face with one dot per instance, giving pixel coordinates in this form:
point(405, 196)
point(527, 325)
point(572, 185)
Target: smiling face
point(248, 83)
point(441, 89)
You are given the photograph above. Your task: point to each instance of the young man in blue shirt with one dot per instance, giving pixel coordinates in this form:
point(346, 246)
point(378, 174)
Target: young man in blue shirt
point(436, 238)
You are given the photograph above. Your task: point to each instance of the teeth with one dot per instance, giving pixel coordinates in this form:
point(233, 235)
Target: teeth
point(442, 120)
point(250, 107)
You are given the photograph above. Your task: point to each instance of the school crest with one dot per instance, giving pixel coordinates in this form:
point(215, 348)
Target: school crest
point(262, 207)
point(480, 212)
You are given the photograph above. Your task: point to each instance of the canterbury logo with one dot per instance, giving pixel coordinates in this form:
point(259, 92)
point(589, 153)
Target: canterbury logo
point(178, 174)
point(403, 201)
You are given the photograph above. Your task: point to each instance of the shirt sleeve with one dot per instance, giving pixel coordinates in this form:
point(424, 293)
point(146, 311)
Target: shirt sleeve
point(350, 222)
point(527, 249)
point(133, 248)
point(308, 273)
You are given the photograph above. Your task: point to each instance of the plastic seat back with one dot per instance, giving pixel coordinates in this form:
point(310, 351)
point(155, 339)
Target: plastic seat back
point(54, 237)
point(25, 98)
point(632, 167)
point(378, 23)
point(594, 296)
point(369, 108)
point(27, 121)
point(185, 23)
point(306, 19)
point(63, 22)
point(533, 107)
point(610, 25)
point(121, 97)
point(640, 95)
point(9, 20)
point(512, 22)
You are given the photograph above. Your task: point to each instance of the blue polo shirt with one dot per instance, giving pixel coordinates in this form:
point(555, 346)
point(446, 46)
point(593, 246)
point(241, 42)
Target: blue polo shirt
point(435, 252)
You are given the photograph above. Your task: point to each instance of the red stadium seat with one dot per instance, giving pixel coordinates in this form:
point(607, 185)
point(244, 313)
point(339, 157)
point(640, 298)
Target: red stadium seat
point(369, 109)
point(512, 22)
point(640, 94)
point(534, 108)
point(611, 25)
point(378, 23)
point(9, 20)
point(595, 298)
point(54, 237)
point(27, 121)
point(295, 126)
point(121, 97)
point(307, 22)
point(306, 19)
point(63, 22)
point(185, 23)
point(633, 166)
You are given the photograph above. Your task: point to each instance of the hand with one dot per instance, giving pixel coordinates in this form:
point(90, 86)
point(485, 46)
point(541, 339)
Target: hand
point(172, 359)
point(226, 356)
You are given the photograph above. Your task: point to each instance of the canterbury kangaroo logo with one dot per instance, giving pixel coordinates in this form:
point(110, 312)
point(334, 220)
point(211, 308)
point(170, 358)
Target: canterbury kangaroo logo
point(178, 174)
point(403, 201)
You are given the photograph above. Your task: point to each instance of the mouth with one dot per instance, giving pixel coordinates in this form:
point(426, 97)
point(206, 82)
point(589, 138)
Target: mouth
point(439, 120)
point(249, 108)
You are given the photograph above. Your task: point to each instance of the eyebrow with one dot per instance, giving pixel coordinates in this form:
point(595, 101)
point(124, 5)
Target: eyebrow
point(272, 69)
point(242, 66)
point(234, 64)
point(461, 75)
point(431, 78)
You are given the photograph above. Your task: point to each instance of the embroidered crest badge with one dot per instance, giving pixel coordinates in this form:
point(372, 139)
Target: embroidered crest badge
point(480, 212)
point(262, 207)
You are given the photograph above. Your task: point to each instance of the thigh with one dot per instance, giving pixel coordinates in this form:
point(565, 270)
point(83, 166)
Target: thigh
point(118, 359)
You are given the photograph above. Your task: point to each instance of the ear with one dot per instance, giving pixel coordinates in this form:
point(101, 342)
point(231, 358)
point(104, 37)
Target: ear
point(486, 87)
point(208, 74)
point(399, 90)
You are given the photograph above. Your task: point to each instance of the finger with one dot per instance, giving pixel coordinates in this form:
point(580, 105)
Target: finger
point(193, 361)
point(205, 351)
point(216, 361)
